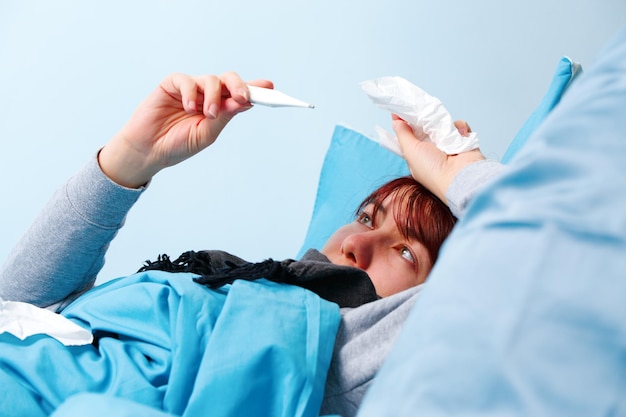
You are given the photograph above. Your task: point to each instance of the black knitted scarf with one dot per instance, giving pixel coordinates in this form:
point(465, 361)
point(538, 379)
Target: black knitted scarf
point(346, 286)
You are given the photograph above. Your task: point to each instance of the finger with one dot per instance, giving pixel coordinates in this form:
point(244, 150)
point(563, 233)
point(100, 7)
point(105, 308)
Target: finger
point(233, 86)
point(183, 86)
point(463, 128)
point(262, 83)
point(412, 146)
point(405, 134)
point(211, 88)
point(422, 156)
point(235, 93)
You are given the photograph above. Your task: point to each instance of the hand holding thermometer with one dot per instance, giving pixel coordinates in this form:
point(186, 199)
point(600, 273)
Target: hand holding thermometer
point(274, 98)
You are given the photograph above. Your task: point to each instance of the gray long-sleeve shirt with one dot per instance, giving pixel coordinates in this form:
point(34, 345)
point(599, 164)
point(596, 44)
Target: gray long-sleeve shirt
point(60, 255)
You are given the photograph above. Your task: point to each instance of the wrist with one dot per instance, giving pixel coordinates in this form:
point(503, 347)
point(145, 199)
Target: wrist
point(125, 166)
point(468, 181)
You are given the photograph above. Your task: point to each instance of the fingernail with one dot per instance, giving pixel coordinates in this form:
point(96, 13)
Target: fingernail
point(244, 107)
point(213, 109)
point(398, 123)
point(244, 93)
point(191, 106)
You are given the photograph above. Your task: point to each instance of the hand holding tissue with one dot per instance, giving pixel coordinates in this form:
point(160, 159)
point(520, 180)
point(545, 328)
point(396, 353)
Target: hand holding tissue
point(423, 112)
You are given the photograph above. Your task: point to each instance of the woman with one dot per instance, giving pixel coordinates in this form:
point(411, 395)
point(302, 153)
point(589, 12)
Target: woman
point(58, 259)
point(179, 119)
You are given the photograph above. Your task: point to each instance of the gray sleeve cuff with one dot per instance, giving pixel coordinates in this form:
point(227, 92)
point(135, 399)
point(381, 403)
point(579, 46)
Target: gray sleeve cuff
point(99, 200)
point(468, 182)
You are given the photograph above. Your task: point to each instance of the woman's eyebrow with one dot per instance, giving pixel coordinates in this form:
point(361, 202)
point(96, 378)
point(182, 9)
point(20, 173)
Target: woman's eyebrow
point(381, 209)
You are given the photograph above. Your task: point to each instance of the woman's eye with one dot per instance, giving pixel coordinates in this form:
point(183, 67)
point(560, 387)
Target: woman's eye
point(407, 254)
point(365, 219)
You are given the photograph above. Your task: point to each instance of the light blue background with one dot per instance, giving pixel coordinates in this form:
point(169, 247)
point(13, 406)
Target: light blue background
point(73, 71)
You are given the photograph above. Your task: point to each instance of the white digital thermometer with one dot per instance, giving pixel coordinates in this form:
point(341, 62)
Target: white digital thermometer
point(274, 98)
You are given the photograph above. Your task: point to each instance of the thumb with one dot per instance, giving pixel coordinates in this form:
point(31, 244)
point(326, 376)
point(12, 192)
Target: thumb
point(424, 159)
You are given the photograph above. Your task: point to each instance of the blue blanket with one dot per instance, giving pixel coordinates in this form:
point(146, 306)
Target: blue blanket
point(168, 346)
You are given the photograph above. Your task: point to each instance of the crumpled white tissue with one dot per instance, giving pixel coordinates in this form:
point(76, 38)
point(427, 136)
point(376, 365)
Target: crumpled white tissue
point(423, 112)
point(23, 320)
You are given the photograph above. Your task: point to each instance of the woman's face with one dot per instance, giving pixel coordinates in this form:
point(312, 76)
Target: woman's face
point(375, 244)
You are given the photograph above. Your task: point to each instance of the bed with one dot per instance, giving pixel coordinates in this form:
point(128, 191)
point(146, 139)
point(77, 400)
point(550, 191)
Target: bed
point(277, 370)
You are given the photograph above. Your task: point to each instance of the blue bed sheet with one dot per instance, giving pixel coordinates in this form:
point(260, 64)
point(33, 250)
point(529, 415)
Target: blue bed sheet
point(169, 346)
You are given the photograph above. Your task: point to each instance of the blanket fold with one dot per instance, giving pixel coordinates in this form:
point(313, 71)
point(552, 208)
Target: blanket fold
point(166, 343)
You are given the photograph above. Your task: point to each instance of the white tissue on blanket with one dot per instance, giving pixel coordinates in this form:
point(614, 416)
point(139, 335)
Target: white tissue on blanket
point(23, 320)
point(423, 112)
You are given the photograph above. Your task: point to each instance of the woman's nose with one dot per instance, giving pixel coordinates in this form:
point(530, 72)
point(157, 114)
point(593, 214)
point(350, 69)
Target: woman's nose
point(358, 249)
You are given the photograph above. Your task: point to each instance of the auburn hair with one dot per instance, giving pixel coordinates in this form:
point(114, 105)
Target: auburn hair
point(421, 216)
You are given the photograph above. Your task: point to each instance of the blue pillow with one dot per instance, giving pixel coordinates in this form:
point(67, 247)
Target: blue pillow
point(354, 166)
point(565, 73)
